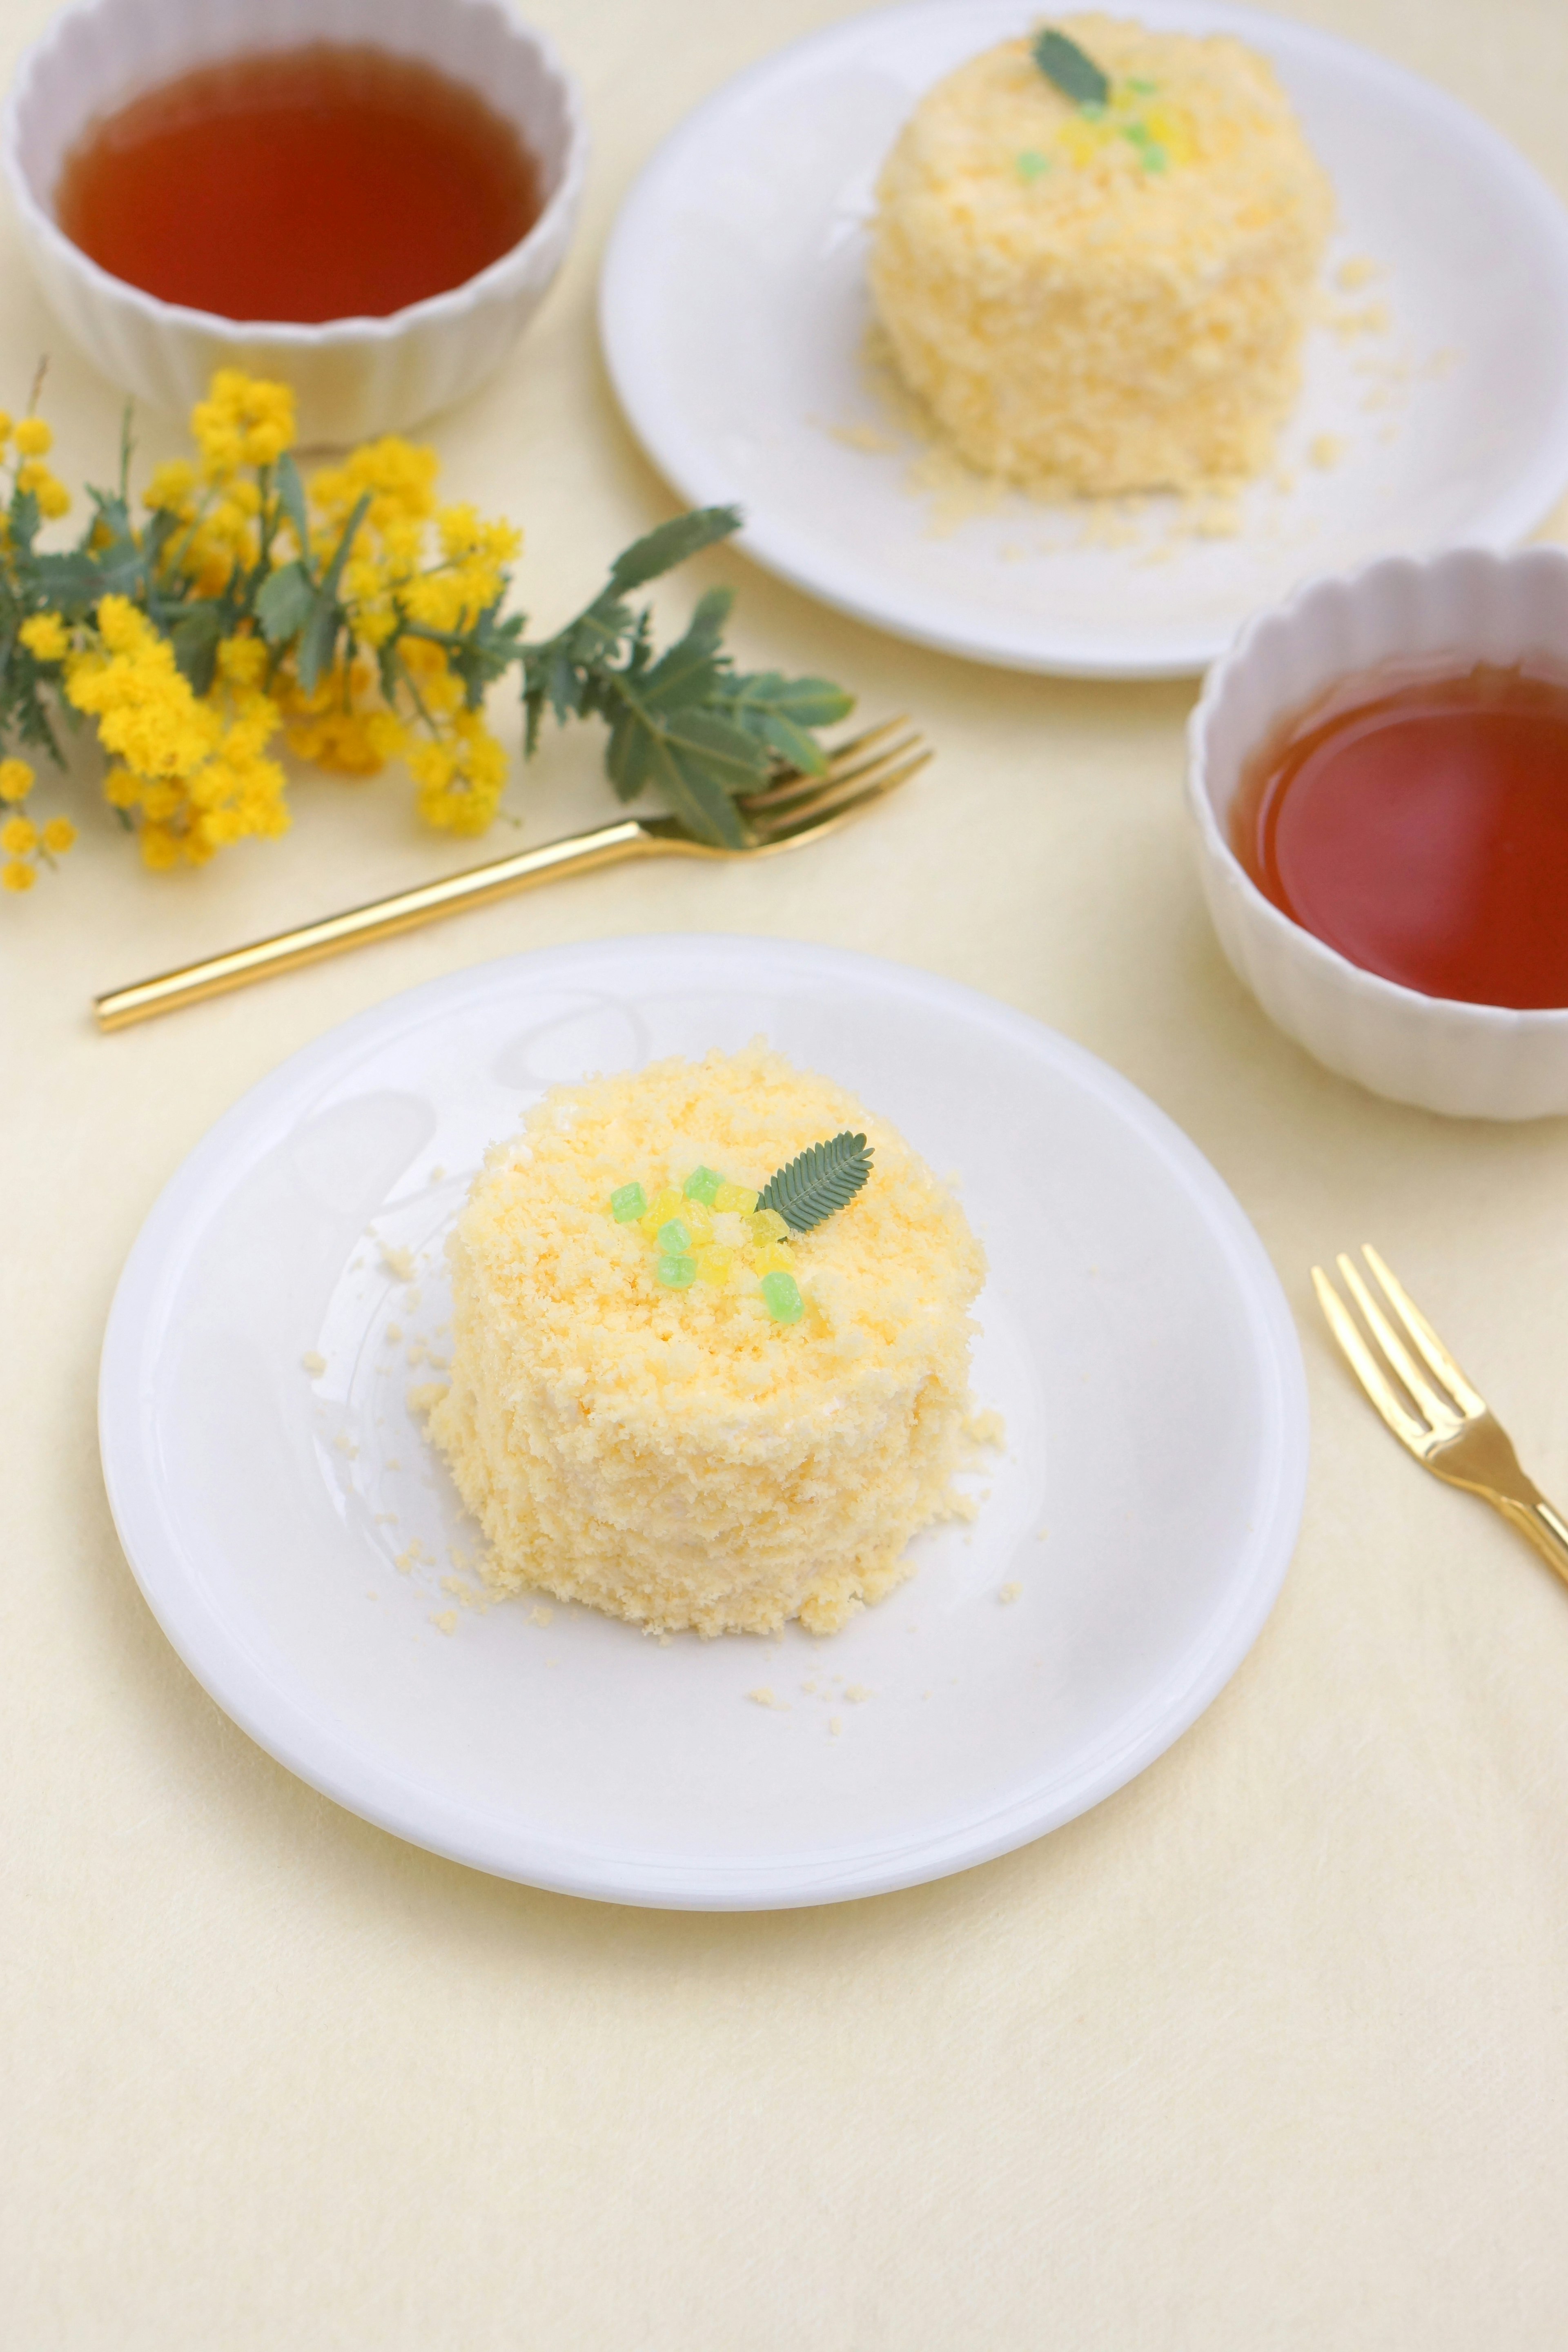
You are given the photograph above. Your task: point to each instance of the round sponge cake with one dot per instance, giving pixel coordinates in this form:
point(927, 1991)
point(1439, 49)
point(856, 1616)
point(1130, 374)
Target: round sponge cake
point(676, 1456)
point(1103, 297)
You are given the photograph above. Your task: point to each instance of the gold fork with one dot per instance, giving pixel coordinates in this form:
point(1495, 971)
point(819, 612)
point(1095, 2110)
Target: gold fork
point(1453, 1430)
point(790, 809)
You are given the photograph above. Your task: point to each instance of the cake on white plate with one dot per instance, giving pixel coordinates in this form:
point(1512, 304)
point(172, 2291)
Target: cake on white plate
point(673, 1403)
point(1095, 256)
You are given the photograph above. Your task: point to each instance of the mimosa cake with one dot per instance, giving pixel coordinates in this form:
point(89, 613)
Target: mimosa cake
point(676, 1403)
point(1105, 292)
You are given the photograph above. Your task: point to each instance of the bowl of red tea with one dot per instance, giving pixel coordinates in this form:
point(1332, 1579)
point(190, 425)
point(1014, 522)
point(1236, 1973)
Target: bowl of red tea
point(368, 202)
point(1379, 782)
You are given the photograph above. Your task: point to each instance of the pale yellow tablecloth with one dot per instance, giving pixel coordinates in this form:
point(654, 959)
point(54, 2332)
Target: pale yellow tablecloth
point(1266, 2054)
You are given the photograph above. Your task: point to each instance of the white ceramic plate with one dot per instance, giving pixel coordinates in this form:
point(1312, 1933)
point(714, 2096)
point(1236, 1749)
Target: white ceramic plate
point(733, 310)
point(1135, 1340)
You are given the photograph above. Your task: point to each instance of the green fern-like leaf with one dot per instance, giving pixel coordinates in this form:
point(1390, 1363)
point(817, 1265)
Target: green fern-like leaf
point(1073, 72)
point(821, 1179)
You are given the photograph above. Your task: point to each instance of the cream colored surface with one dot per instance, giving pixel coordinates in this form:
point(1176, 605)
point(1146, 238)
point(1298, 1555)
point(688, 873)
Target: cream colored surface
point(1266, 2054)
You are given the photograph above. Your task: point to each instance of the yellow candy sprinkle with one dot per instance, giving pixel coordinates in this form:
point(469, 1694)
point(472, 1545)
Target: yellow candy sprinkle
point(1172, 127)
point(699, 1219)
point(771, 1257)
point(767, 1225)
point(715, 1265)
point(1083, 140)
point(736, 1197)
point(667, 1205)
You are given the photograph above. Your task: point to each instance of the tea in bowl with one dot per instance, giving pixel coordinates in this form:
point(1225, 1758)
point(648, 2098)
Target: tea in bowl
point(369, 202)
point(1378, 783)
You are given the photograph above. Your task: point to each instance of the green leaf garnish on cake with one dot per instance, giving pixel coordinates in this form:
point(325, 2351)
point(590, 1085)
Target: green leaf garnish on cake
point(822, 1178)
point(1071, 70)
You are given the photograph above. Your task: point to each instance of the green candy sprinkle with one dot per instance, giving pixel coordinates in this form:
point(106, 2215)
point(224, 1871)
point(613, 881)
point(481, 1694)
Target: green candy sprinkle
point(676, 1272)
point(702, 1185)
point(782, 1293)
point(629, 1202)
point(1031, 164)
point(1150, 155)
point(673, 1239)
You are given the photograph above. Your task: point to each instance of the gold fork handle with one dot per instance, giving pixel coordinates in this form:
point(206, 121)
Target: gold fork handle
point(576, 855)
point(1545, 1527)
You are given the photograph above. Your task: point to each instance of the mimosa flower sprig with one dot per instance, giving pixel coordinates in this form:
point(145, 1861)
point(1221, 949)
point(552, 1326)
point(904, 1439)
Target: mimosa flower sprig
point(355, 621)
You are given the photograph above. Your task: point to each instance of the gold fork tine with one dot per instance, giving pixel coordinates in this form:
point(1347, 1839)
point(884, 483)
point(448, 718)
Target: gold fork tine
point(823, 816)
point(840, 764)
point(1463, 1443)
point(1421, 1331)
point(1365, 1365)
point(855, 745)
point(1439, 1411)
point(823, 795)
point(794, 792)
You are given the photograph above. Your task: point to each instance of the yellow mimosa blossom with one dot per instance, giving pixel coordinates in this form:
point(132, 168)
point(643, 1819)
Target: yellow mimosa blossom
point(458, 529)
point(45, 636)
point(374, 623)
point(460, 775)
point(146, 712)
point(385, 733)
point(437, 691)
point(244, 420)
point(399, 476)
point(433, 766)
point(329, 725)
point(233, 583)
point(228, 522)
point(403, 544)
point(242, 661)
point(160, 847)
point(172, 488)
point(197, 772)
point(190, 768)
point(54, 499)
point(466, 537)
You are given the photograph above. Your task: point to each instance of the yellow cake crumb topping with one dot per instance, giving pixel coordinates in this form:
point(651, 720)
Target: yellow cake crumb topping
point(677, 1456)
point(1104, 301)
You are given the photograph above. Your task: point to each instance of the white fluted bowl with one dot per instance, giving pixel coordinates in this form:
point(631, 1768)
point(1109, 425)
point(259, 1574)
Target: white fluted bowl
point(1473, 1061)
point(352, 377)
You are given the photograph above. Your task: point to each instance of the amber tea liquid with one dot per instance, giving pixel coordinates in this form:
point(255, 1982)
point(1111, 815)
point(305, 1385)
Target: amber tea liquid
point(302, 184)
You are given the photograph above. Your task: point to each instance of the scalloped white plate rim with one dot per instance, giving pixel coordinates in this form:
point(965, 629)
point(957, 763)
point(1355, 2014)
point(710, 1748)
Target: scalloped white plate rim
point(276, 1713)
point(635, 278)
